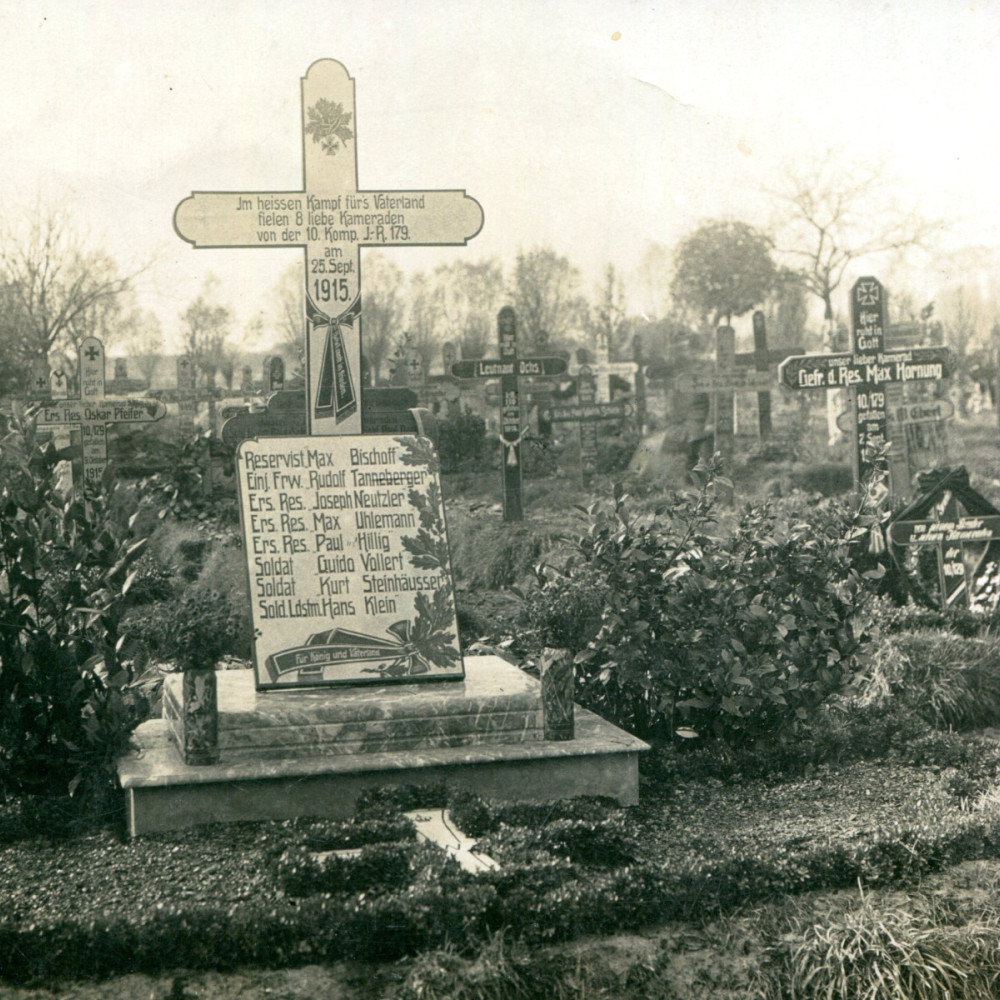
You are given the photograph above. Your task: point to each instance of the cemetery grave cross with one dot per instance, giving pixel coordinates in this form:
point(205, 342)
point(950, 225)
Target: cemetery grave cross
point(762, 359)
point(93, 411)
point(509, 368)
point(603, 368)
point(733, 373)
point(332, 220)
point(587, 412)
point(866, 371)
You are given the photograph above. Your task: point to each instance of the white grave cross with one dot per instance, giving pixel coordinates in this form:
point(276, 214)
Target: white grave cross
point(332, 220)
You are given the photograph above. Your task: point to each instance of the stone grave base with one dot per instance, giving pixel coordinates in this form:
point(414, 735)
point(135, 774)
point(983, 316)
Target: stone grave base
point(310, 753)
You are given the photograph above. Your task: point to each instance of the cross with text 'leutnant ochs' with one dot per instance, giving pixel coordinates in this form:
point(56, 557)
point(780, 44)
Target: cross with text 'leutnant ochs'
point(332, 220)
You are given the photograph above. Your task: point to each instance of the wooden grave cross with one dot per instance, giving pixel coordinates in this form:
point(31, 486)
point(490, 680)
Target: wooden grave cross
point(509, 368)
point(587, 413)
point(187, 394)
point(91, 414)
point(764, 360)
point(332, 219)
point(603, 368)
point(866, 371)
point(744, 372)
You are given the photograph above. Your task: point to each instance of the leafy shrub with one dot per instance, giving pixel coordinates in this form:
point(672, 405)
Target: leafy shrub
point(186, 489)
point(194, 630)
point(67, 706)
point(331, 836)
point(747, 633)
point(378, 866)
point(461, 442)
point(569, 616)
point(838, 733)
point(600, 843)
point(386, 800)
point(476, 816)
point(153, 582)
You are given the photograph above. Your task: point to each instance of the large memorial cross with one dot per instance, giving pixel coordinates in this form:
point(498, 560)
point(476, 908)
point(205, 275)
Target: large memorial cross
point(332, 219)
point(867, 370)
point(509, 368)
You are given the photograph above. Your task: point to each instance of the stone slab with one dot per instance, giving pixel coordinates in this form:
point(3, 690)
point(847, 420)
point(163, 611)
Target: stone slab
point(495, 703)
point(165, 794)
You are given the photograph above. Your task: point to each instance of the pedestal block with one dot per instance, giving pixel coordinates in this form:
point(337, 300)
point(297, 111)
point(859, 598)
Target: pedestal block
point(310, 753)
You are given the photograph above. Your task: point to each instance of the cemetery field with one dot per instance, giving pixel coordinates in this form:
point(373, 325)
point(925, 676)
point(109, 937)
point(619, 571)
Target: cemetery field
point(819, 809)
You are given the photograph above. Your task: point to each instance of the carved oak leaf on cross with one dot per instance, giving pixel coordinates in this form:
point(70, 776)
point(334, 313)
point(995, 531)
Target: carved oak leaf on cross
point(329, 125)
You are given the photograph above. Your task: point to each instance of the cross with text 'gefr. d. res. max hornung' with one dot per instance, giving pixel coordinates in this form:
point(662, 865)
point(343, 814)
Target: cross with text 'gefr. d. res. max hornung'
point(332, 219)
point(866, 370)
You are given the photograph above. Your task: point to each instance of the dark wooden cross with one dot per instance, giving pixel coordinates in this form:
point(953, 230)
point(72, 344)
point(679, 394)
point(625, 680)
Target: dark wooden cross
point(764, 360)
point(509, 368)
point(867, 370)
point(332, 220)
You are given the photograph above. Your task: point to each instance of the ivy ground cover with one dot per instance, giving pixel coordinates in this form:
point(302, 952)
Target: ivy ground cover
point(94, 905)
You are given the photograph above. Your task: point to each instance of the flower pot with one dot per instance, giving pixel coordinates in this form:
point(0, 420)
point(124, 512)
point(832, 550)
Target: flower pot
point(557, 674)
point(200, 721)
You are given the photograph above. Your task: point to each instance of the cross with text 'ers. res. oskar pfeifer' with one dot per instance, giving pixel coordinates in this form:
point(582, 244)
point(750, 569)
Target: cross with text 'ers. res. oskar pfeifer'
point(866, 370)
point(91, 414)
point(332, 220)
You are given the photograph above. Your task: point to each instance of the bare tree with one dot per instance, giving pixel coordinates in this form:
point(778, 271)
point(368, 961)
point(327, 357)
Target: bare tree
point(469, 297)
point(288, 311)
point(381, 310)
point(608, 320)
point(56, 289)
point(205, 326)
point(654, 277)
point(145, 344)
point(547, 297)
point(832, 214)
point(425, 320)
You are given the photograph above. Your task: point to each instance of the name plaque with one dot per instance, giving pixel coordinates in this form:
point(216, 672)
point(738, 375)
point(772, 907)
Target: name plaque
point(348, 562)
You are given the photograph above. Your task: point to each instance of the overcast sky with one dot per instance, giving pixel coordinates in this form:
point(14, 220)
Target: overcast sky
point(594, 127)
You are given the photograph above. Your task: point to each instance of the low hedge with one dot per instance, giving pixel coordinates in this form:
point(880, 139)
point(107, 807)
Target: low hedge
point(579, 868)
